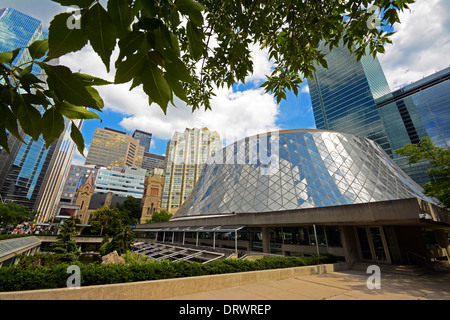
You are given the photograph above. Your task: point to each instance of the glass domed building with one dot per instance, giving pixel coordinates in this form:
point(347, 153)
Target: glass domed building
point(297, 192)
point(297, 169)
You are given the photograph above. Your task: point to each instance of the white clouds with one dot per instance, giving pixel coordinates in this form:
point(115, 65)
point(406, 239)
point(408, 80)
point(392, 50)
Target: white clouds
point(262, 66)
point(234, 114)
point(421, 44)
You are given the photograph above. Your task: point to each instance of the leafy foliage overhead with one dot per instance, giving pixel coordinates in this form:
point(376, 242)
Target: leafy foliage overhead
point(180, 48)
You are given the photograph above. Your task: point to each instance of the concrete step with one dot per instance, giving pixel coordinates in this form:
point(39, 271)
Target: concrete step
point(392, 268)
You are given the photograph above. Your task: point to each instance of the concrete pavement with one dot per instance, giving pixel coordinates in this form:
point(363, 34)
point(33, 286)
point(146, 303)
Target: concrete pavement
point(342, 285)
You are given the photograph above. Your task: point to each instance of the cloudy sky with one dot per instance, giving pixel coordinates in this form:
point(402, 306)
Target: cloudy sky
point(420, 47)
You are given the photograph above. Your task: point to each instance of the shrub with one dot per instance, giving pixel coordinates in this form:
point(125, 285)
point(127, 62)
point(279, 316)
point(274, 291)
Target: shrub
point(32, 277)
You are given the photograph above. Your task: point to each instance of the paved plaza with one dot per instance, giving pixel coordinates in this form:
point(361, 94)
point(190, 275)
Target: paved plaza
point(343, 285)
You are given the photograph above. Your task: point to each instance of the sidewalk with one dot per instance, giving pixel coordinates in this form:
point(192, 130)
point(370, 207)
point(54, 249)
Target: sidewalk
point(343, 285)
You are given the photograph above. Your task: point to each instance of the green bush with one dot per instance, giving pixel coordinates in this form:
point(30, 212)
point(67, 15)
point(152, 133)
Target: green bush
point(33, 277)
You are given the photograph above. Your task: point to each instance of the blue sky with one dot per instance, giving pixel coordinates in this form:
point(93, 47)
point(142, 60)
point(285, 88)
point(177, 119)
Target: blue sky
point(421, 47)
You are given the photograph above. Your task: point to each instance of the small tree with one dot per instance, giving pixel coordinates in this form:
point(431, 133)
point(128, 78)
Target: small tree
point(65, 246)
point(130, 210)
point(106, 220)
point(122, 240)
point(438, 169)
point(160, 216)
point(13, 214)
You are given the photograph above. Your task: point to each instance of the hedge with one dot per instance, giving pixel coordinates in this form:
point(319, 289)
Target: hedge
point(18, 279)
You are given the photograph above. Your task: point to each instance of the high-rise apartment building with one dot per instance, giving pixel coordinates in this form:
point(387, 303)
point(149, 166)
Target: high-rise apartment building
point(114, 148)
point(31, 174)
point(145, 139)
point(354, 97)
point(186, 156)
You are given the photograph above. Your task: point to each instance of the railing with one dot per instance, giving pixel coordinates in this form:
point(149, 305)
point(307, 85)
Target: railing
point(417, 257)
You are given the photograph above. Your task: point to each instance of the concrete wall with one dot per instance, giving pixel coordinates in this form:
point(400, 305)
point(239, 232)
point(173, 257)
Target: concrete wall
point(162, 289)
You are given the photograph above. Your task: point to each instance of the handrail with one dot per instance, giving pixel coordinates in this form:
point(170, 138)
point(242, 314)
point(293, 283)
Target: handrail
point(408, 253)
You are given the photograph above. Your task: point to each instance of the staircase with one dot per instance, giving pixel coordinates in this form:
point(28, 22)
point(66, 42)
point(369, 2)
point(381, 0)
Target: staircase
point(412, 270)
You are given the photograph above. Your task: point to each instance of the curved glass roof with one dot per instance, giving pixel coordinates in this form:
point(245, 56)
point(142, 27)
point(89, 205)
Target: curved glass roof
point(297, 169)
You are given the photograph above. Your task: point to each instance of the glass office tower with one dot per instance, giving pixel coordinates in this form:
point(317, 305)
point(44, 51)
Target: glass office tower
point(343, 96)
point(421, 109)
point(354, 97)
point(31, 174)
point(24, 168)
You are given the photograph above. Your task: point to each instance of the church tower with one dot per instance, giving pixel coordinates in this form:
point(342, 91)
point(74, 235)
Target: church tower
point(84, 196)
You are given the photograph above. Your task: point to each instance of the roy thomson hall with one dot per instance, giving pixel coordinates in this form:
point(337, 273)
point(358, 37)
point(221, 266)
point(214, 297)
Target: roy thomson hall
point(300, 192)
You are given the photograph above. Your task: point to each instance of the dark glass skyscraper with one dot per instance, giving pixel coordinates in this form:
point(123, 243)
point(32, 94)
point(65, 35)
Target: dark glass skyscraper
point(31, 174)
point(421, 109)
point(354, 97)
point(22, 170)
point(343, 96)
point(145, 139)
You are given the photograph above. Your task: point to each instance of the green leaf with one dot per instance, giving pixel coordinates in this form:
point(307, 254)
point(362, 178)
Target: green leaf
point(89, 80)
point(195, 37)
point(27, 70)
point(136, 82)
point(128, 45)
point(156, 86)
point(29, 119)
point(79, 3)
point(188, 6)
point(176, 87)
point(6, 57)
point(149, 8)
point(77, 137)
point(94, 93)
point(74, 112)
point(53, 125)
point(9, 121)
point(61, 39)
point(197, 18)
point(120, 12)
point(101, 32)
point(38, 48)
point(130, 68)
point(178, 69)
point(67, 87)
point(192, 9)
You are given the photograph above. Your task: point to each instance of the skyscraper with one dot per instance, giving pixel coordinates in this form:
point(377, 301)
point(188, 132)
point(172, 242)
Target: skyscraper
point(343, 96)
point(354, 97)
point(420, 109)
point(145, 139)
point(31, 174)
point(186, 156)
point(114, 148)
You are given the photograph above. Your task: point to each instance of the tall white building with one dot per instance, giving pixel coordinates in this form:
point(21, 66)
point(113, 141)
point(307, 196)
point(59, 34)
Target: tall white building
point(51, 191)
point(186, 156)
